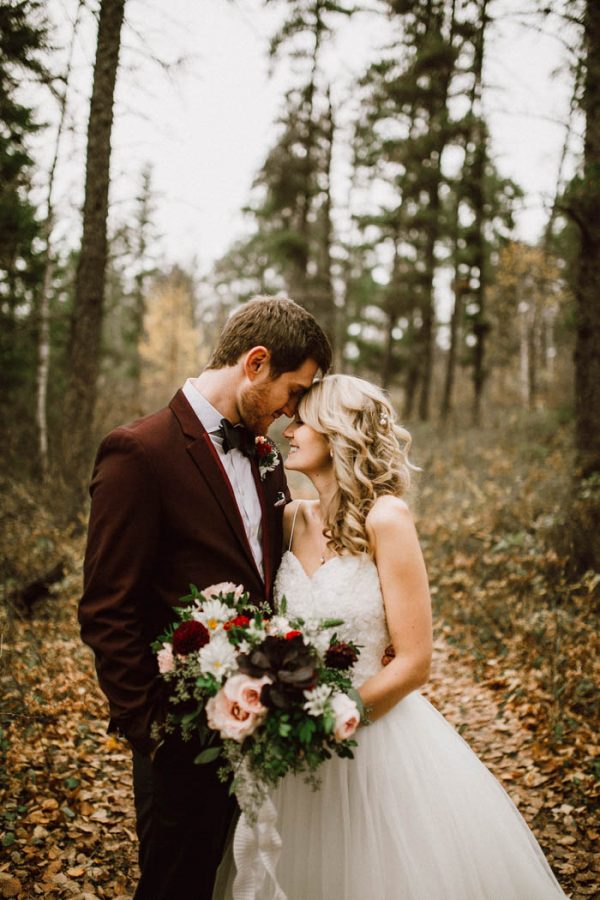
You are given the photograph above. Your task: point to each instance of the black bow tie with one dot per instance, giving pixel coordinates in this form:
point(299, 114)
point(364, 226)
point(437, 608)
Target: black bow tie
point(237, 437)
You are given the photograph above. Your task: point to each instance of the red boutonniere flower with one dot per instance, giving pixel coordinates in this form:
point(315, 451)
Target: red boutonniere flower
point(267, 455)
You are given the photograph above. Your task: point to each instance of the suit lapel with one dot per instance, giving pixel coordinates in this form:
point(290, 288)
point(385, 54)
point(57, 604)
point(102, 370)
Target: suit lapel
point(203, 453)
point(270, 499)
point(266, 528)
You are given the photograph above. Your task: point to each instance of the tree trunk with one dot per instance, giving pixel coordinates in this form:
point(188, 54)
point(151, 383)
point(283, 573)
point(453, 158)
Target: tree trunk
point(139, 285)
point(410, 387)
point(388, 351)
point(534, 351)
point(328, 309)
point(456, 316)
point(80, 397)
point(587, 346)
point(446, 407)
point(303, 255)
point(43, 365)
point(480, 326)
point(412, 381)
point(427, 330)
point(438, 124)
point(524, 358)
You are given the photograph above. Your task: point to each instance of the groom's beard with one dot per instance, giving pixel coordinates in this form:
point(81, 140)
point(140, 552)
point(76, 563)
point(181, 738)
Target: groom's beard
point(256, 408)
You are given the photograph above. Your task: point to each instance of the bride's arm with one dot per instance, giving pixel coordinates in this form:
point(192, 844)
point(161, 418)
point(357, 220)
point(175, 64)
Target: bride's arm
point(407, 605)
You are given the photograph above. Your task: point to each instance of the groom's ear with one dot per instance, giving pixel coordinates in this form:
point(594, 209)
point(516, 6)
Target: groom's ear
point(257, 363)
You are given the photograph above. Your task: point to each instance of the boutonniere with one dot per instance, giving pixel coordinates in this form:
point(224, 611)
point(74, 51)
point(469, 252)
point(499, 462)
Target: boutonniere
point(267, 455)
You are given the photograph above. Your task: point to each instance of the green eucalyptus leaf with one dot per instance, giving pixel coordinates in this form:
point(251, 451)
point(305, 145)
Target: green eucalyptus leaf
point(207, 756)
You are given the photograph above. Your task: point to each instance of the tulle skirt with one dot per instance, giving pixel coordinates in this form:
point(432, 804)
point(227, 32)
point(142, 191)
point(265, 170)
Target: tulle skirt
point(414, 816)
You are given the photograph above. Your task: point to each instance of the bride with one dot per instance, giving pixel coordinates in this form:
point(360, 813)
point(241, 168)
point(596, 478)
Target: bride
point(415, 815)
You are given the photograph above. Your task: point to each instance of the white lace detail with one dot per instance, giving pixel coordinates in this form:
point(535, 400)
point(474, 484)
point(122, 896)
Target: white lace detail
point(345, 587)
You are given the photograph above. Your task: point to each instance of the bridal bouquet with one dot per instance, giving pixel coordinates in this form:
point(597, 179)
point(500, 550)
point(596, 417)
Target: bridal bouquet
point(276, 690)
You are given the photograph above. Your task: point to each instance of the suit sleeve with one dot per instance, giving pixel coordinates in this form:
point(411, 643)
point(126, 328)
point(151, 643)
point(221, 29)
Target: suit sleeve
point(122, 543)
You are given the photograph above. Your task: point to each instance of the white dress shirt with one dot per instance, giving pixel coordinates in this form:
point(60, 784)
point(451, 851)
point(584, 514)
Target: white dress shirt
point(238, 469)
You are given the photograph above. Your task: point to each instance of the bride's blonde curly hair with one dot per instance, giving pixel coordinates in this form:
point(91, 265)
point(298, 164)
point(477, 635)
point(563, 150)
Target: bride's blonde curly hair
point(369, 451)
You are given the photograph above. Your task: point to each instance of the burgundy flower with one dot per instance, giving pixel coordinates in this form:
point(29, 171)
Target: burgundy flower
point(341, 656)
point(263, 449)
point(291, 665)
point(190, 636)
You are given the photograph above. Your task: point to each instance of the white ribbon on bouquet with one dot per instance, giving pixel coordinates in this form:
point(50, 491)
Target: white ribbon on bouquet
point(256, 850)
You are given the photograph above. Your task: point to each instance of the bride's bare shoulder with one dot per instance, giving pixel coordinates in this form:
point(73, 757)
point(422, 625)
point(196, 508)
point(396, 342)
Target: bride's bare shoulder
point(388, 513)
point(387, 506)
point(296, 515)
point(289, 511)
point(292, 512)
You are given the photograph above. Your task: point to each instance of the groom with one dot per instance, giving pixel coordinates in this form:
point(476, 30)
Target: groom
point(177, 498)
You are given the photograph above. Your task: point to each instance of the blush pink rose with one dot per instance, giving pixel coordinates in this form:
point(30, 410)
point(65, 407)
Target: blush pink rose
point(228, 718)
point(246, 691)
point(235, 711)
point(347, 716)
point(166, 661)
point(224, 587)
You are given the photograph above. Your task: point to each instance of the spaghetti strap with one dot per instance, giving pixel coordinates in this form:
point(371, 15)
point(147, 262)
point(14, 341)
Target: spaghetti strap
point(294, 524)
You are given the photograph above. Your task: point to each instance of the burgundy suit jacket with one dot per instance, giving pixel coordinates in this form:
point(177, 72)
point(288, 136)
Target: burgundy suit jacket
point(163, 516)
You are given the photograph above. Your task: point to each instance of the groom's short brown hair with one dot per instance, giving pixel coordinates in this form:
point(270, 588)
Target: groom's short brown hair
point(286, 329)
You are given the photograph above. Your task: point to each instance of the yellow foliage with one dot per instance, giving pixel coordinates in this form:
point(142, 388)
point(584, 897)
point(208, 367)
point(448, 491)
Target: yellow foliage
point(170, 348)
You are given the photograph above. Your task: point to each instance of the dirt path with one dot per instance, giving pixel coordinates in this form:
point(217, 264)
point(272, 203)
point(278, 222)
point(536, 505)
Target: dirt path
point(504, 738)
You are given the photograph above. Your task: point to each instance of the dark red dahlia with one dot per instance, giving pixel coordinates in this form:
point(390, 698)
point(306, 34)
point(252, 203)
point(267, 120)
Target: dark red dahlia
point(341, 656)
point(189, 636)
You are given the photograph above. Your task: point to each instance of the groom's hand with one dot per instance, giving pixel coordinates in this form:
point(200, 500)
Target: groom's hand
point(388, 655)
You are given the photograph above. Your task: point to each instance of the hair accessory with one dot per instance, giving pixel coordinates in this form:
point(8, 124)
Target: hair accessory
point(383, 419)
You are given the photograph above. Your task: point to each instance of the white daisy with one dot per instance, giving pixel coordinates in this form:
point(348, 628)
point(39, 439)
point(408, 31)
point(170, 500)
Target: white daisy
point(316, 700)
point(218, 658)
point(279, 625)
point(256, 632)
point(213, 615)
point(317, 636)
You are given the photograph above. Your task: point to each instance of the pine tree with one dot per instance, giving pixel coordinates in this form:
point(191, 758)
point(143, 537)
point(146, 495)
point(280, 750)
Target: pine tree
point(401, 135)
point(23, 35)
point(294, 206)
point(479, 211)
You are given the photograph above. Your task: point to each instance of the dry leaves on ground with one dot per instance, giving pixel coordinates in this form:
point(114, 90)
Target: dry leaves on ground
point(516, 661)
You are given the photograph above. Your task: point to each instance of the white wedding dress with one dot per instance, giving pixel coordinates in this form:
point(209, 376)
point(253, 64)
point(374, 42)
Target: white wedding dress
point(415, 815)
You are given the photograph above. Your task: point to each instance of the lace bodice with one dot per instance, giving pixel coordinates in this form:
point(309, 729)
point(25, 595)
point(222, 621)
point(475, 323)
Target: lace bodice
point(345, 587)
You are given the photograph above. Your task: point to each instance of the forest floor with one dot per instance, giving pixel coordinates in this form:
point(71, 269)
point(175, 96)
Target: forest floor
point(515, 652)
